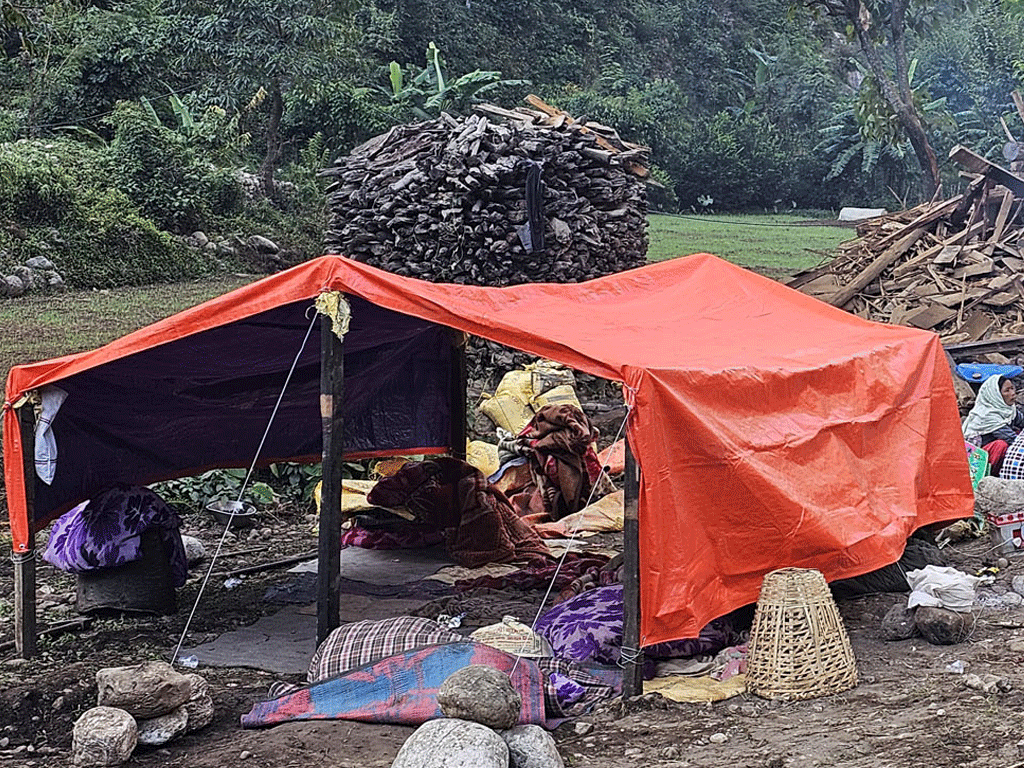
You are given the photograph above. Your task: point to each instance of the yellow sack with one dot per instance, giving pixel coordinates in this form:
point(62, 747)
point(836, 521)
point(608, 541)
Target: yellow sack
point(522, 393)
point(483, 456)
point(509, 407)
point(512, 636)
point(547, 374)
point(560, 395)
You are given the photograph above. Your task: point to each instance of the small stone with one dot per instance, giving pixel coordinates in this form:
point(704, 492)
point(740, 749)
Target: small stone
point(39, 262)
point(1012, 599)
point(58, 703)
point(262, 244)
point(633, 752)
point(195, 552)
point(1016, 645)
point(941, 626)
point(583, 728)
point(199, 238)
point(103, 736)
point(155, 731)
point(447, 743)
point(145, 690)
point(530, 746)
point(200, 705)
point(987, 683)
point(5, 741)
point(996, 496)
point(1018, 584)
point(1002, 563)
point(898, 623)
point(482, 695)
point(718, 738)
point(670, 753)
point(14, 286)
point(246, 754)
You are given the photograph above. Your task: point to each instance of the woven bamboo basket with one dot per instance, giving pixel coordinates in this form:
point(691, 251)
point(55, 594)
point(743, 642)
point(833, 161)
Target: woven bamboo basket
point(798, 644)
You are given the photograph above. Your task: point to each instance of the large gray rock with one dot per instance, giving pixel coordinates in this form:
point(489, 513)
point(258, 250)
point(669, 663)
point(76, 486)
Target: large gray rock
point(103, 736)
point(481, 694)
point(449, 743)
point(898, 623)
point(1018, 584)
point(530, 746)
point(39, 262)
point(145, 690)
point(26, 275)
point(941, 626)
point(262, 244)
point(14, 286)
point(155, 731)
point(200, 704)
point(996, 496)
point(195, 552)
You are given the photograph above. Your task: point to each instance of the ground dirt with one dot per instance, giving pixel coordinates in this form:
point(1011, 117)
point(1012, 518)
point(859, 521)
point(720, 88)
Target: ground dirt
point(908, 710)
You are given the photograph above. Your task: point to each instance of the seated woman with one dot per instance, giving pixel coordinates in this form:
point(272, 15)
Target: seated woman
point(995, 419)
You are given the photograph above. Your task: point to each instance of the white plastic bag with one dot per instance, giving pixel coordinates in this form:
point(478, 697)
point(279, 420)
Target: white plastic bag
point(942, 587)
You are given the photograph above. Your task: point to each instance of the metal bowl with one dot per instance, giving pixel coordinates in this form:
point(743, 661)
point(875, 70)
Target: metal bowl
point(244, 514)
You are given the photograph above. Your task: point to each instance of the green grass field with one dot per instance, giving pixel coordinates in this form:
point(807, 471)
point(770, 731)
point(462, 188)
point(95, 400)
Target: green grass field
point(773, 245)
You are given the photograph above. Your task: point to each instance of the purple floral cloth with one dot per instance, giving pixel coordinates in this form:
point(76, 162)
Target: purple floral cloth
point(106, 531)
point(588, 627)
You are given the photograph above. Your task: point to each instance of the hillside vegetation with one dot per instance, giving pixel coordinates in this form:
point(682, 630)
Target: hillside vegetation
point(128, 125)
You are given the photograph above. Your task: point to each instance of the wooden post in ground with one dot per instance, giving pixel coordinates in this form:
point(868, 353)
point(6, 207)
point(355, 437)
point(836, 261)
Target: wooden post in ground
point(25, 562)
point(457, 395)
point(332, 390)
point(632, 657)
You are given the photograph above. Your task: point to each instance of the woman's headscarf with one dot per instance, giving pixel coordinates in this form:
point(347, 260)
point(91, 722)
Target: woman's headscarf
point(990, 411)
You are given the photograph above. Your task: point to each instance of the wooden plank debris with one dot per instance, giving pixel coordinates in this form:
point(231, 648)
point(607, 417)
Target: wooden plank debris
point(953, 266)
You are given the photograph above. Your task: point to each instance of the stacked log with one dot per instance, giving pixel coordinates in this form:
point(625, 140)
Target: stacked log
point(952, 266)
point(445, 200)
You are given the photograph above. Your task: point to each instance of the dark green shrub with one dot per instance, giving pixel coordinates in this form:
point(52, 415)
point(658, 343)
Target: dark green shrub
point(109, 243)
point(56, 201)
point(738, 160)
point(160, 171)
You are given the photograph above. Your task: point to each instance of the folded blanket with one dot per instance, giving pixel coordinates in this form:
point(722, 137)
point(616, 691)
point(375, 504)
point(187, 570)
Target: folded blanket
point(401, 689)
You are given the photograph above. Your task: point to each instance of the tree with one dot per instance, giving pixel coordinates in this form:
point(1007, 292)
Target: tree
point(266, 50)
point(881, 28)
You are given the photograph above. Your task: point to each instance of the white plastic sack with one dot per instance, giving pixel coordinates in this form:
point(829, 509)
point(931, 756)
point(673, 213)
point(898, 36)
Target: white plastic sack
point(942, 587)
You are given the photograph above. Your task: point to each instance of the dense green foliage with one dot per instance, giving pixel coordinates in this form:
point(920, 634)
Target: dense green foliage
point(154, 107)
point(56, 202)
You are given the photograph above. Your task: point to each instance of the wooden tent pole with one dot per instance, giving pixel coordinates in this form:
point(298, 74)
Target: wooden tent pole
point(332, 390)
point(632, 655)
point(457, 395)
point(25, 562)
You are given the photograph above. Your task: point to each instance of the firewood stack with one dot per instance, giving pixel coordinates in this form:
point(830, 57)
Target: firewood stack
point(952, 266)
point(445, 200)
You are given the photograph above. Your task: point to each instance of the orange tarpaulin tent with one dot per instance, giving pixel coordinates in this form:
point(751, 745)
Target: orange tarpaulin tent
point(771, 429)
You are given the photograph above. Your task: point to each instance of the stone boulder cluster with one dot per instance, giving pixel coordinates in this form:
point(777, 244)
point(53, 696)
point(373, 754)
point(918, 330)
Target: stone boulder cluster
point(147, 704)
point(36, 275)
point(479, 729)
point(258, 250)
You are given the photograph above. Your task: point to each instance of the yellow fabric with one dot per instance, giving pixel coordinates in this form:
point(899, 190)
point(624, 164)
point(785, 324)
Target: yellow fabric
point(696, 689)
point(483, 456)
point(353, 498)
point(334, 305)
point(605, 514)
